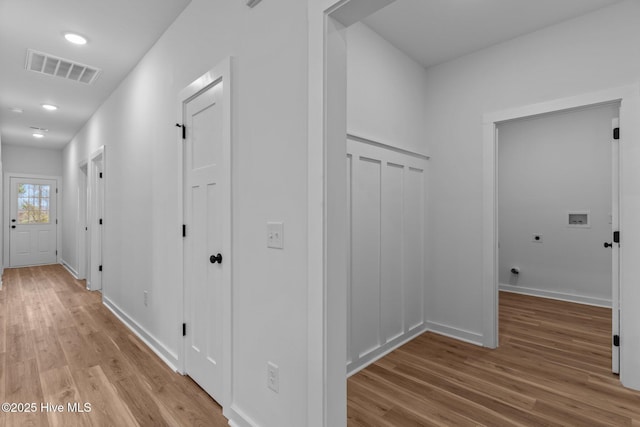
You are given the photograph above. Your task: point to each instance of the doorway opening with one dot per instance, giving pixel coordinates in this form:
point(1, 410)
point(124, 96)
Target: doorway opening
point(558, 203)
point(627, 98)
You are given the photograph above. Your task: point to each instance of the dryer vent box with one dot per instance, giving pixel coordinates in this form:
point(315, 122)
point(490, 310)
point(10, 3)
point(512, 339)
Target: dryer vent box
point(579, 219)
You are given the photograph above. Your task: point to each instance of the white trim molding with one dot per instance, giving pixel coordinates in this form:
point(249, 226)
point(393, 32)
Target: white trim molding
point(629, 99)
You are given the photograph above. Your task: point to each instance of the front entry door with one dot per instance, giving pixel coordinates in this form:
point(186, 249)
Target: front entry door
point(204, 261)
point(33, 231)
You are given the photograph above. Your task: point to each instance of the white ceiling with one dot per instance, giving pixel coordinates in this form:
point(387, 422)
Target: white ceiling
point(120, 32)
point(435, 31)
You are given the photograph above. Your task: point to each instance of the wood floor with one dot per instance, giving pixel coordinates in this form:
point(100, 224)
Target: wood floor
point(60, 345)
point(552, 369)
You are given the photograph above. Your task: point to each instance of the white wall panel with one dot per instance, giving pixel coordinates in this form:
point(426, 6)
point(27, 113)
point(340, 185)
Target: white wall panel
point(393, 230)
point(386, 191)
point(365, 256)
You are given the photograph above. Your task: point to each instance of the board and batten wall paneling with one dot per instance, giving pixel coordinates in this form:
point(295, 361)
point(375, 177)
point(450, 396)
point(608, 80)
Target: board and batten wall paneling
point(386, 191)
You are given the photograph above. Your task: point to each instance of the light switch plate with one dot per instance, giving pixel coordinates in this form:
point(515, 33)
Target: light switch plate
point(275, 235)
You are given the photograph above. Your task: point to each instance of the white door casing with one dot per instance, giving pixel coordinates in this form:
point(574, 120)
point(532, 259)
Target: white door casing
point(628, 207)
point(33, 218)
point(205, 113)
point(96, 220)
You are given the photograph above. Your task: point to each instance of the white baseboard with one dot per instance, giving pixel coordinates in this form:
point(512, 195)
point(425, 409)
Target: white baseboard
point(356, 366)
point(238, 418)
point(580, 299)
point(456, 333)
point(167, 356)
point(70, 269)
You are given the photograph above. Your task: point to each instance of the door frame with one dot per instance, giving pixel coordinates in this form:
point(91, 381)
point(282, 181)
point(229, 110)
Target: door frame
point(97, 235)
point(7, 210)
point(629, 99)
point(221, 72)
point(82, 243)
point(327, 207)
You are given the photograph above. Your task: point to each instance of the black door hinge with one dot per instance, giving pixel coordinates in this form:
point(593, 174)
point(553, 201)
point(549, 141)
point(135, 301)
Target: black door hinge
point(56, 221)
point(56, 252)
point(616, 133)
point(184, 130)
point(99, 268)
point(616, 237)
point(616, 340)
point(56, 191)
point(100, 221)
point(184, 329)
point(100, 174)
point(184, 230)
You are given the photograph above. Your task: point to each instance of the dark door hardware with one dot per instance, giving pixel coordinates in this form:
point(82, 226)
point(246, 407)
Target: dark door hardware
point(608, 245)
point(215, 258)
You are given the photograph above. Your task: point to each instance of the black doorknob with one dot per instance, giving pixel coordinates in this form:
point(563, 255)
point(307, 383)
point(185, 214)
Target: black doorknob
point(608, 245)
point(13, 220)
point(215, 258)
point(13, 226)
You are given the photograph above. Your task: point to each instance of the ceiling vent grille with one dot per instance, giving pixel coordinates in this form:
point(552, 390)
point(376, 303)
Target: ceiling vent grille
point(54, 66)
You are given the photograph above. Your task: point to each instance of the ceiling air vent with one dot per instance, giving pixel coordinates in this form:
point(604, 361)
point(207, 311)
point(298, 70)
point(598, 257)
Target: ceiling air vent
point(54, 66)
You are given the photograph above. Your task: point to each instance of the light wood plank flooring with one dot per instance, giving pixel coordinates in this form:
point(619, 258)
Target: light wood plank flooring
point(552, 369)
point(59, 344)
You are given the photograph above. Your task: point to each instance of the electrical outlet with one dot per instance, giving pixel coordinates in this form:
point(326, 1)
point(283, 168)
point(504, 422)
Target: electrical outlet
point(537, 238)
point(275, 235)
point(146, 298)
point(273, 377)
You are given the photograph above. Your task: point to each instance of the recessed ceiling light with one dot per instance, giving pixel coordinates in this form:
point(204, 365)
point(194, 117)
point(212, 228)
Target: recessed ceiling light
point(75, 38)
point(49, 107)
point(17, 110)
point(38, 135)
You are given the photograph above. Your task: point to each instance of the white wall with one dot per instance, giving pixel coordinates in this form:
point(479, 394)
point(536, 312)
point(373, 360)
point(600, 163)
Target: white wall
point(563, 60)
point(37, 161)
point(1, 213)
point(269, 178)
point(386, 97)
point(548, 166)
point(386, 91)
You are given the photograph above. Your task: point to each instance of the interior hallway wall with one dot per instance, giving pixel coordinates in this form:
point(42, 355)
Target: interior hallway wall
point(32, 160)
point(548, 166)
point(386, 92)
point(143, 217)
point(594, 52)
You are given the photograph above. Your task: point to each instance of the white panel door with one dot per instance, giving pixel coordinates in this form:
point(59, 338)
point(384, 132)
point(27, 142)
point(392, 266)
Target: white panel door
point(615, 253)
point(203, 258)
point(33, 230)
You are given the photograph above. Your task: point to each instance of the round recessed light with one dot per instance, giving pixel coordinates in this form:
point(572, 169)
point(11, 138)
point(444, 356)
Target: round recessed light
point(38, 135)
point(17, 110)
point(75, 38)
point(49, 107)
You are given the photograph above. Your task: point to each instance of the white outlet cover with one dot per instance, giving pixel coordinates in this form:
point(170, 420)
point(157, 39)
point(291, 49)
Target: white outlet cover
point(273, 377)
point(275, 235)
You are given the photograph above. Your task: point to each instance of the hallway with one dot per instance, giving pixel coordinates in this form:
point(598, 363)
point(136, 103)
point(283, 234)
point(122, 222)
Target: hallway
point(60, 345)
